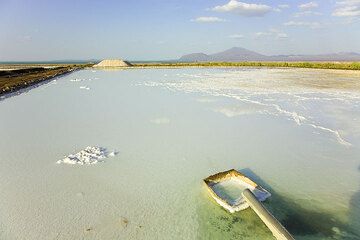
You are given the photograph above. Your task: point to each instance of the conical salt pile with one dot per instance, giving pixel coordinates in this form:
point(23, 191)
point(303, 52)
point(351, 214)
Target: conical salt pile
point(113, 63)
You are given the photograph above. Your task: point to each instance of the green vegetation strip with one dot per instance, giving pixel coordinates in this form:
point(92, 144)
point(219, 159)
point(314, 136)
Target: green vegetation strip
point(320, 65)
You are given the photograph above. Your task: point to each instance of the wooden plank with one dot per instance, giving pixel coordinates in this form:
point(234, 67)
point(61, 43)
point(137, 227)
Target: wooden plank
point(270, 221)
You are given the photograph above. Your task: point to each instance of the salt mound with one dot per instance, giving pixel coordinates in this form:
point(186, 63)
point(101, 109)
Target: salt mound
point(88, 156)
point(113, 63)
point(76, 80)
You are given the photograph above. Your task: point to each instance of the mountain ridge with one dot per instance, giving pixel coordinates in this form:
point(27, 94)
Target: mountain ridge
point(238, 54)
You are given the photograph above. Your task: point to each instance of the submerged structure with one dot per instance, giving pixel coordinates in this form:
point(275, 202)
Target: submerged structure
point(113, 63)
point(227, 187)
point(235, 192)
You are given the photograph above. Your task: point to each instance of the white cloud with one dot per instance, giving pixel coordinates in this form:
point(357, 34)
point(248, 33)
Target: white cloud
point(303, 24)
point(308, 6)
point(236, 36)
point(306, 9)
point(283, 6)
point(347, 8)
point(307, 13)
point(208, 19)
point(262, 34)
point(272, 33)
point(282, 35)
point(244, 9)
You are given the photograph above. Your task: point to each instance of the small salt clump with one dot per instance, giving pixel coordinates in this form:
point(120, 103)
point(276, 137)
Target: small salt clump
point(76, 80)
point(90, 155)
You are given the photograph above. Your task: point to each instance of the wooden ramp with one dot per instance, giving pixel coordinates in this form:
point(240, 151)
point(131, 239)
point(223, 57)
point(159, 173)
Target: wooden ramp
point(270, 221)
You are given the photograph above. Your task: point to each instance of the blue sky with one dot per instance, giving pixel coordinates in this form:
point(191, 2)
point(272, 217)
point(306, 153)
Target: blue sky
point(167, 29)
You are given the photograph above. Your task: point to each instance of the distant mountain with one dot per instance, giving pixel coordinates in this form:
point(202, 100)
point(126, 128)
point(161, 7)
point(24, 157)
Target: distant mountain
point(232, 54)
point(195, 57)
point(237, 54)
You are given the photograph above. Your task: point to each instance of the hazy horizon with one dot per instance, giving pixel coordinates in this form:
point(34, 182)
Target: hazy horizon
point(166, 30)
point(155, 60)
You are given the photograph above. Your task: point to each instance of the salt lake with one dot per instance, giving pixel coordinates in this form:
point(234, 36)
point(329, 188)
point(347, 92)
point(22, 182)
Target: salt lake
point(294, 131)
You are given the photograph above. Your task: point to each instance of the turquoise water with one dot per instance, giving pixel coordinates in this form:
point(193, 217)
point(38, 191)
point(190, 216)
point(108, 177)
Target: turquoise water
point(294, 131)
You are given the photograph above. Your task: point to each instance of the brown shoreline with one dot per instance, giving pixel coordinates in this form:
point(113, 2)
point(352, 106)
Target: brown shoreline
point(16, 79)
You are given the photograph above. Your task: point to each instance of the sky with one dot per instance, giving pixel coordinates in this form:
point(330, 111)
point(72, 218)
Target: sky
point(41, 30)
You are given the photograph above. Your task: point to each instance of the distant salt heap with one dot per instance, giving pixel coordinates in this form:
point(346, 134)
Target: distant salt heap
point(88, 156)
point(76, 80)
point(112, 63)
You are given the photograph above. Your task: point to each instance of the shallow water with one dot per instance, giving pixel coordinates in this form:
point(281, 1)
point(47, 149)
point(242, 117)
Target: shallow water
point(295, 131)
point(230, 190)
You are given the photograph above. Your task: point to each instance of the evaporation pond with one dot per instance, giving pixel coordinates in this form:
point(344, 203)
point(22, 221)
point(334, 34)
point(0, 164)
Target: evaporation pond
point(294, 129)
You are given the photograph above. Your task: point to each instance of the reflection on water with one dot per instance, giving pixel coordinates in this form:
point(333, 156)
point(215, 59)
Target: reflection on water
point(301, 221)
point(294, 131)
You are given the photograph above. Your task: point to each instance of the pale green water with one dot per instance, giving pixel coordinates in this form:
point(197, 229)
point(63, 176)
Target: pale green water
point(294, 131)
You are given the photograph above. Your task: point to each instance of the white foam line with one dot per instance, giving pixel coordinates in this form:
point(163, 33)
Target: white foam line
point(301, 120)
point(293, 115)
point(336, 133)
point(298, 119)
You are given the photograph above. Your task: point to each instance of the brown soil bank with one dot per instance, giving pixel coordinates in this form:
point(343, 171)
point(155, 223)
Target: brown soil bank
point(13, 80)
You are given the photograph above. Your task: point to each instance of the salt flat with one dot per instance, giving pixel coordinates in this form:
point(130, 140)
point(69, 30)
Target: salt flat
point(295, 131)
